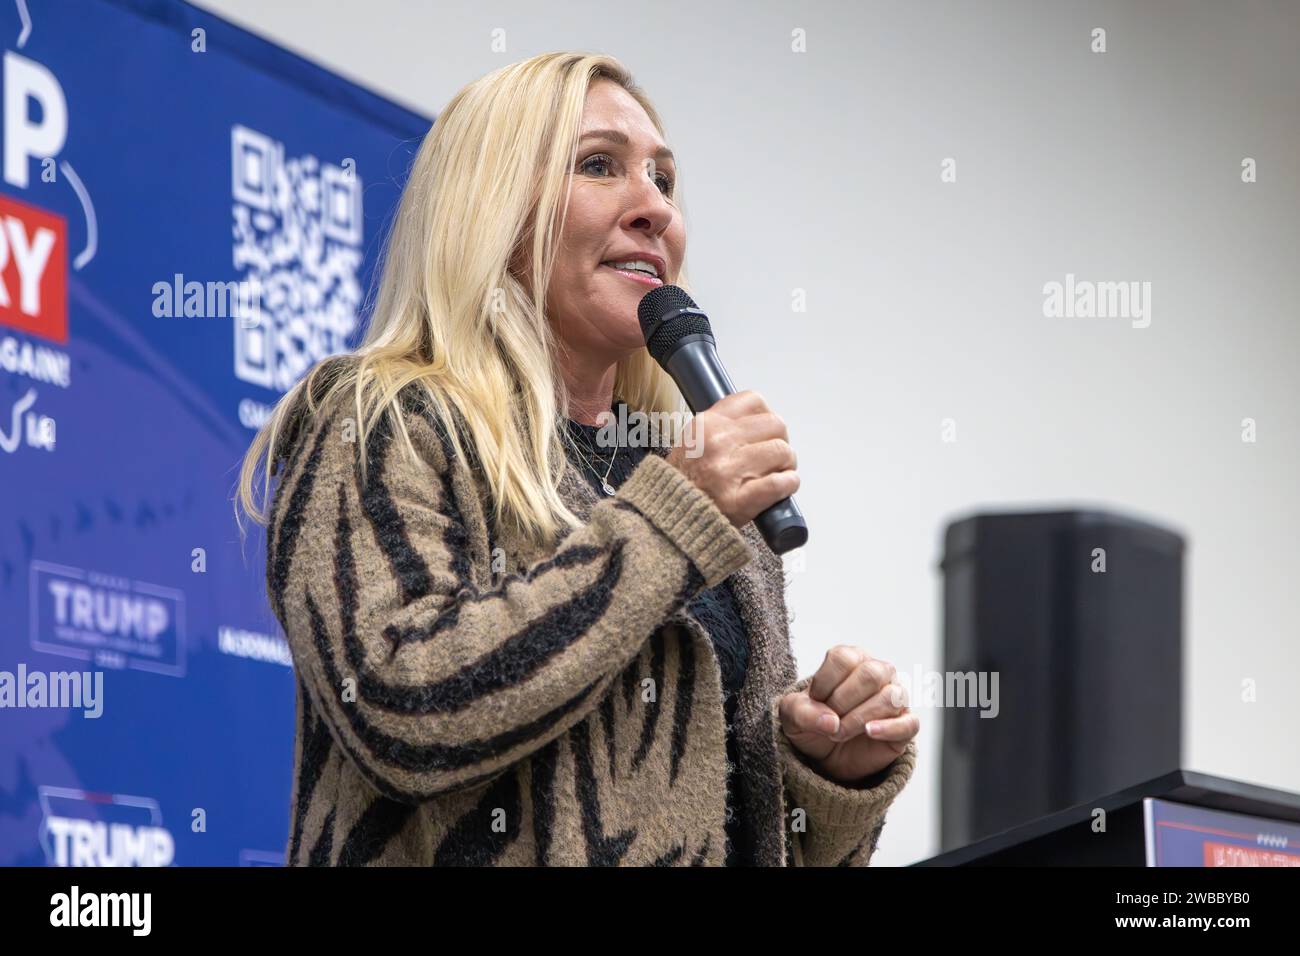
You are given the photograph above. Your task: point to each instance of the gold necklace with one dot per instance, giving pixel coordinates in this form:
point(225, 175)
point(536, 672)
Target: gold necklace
point(604, 480)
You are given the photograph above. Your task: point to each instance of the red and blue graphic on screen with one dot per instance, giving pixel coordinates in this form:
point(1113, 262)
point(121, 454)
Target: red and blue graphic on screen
point(1182, 835)
point(189, 219)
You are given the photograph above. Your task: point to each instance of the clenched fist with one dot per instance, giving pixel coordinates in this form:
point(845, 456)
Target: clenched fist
point(852, 720)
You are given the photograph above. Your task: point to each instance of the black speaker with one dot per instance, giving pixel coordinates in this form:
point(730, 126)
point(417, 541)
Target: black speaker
point(1079, 616)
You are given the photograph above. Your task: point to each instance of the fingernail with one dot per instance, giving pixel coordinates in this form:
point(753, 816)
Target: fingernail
point(828, 723)
point(872, 728)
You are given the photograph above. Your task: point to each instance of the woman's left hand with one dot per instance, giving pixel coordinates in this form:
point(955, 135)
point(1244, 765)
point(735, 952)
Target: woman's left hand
point(852, 720)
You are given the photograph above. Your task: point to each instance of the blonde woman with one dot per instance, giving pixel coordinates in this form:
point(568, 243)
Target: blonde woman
point(516, 644)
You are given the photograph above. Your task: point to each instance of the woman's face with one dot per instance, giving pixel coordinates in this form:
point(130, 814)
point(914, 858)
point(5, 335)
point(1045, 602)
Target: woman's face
point(620, 210)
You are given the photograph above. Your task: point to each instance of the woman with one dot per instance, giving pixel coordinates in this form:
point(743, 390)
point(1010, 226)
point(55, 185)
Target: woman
point(498, 661)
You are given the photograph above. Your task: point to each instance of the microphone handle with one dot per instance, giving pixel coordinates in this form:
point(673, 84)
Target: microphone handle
point(702, 380)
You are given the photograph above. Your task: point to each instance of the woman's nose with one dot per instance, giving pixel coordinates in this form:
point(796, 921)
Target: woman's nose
point(648, 207)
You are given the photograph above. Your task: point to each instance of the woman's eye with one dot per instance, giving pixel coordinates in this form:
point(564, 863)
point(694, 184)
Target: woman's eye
point(594, 160)
point(599, 165)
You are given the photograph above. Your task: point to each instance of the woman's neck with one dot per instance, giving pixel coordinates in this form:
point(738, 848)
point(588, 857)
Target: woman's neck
point(591, 392)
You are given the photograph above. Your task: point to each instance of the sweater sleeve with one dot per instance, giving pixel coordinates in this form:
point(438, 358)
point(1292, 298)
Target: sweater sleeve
point(428, 682)
point(841, 824)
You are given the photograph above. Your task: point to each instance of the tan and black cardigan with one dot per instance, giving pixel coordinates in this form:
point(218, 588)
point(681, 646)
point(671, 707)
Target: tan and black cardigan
point(464, 699)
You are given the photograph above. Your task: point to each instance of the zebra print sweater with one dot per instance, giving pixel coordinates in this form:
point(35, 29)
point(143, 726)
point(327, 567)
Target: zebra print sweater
point(469, 699)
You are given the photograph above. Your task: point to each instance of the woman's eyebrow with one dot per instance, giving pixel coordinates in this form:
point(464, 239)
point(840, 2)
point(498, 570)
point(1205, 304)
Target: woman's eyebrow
point(617, 136)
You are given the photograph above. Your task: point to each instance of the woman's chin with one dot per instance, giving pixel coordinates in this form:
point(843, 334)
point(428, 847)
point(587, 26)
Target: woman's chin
point(620, 326)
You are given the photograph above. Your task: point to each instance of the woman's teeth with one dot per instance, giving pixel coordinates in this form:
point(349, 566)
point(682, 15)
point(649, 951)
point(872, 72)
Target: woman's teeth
point(634, 265)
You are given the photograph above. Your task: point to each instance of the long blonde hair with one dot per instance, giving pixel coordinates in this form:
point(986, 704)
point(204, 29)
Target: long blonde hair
point(488, 183)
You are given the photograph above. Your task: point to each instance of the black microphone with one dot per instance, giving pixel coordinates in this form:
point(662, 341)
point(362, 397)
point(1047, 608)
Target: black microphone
point(679, 337)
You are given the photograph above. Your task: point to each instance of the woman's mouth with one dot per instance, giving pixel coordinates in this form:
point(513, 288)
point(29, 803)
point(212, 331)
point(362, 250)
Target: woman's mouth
point(636, 275)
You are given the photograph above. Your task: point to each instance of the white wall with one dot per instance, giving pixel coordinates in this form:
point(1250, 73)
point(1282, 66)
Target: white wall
point(820, 171)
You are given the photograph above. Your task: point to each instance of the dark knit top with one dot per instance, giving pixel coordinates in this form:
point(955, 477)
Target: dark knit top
point(715, 608)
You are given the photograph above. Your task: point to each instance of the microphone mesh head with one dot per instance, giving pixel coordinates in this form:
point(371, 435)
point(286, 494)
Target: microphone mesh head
point(662, 336)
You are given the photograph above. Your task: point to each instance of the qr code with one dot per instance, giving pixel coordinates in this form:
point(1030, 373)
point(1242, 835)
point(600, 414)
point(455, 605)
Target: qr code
point(297, 244)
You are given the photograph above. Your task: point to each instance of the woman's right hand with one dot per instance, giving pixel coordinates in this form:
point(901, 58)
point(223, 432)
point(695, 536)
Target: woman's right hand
point(737, 452)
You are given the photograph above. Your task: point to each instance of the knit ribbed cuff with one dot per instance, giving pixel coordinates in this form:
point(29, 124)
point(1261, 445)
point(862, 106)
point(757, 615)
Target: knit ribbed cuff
point(687, 516)
point(827, 802)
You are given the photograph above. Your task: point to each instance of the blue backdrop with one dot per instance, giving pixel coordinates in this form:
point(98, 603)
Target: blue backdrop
point(154, 155)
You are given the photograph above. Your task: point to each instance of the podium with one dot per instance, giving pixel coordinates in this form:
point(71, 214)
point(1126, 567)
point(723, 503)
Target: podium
point(1181, 818)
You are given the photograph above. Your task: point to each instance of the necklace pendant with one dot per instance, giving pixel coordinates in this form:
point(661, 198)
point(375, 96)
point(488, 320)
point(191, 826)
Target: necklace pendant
point(606, 485)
